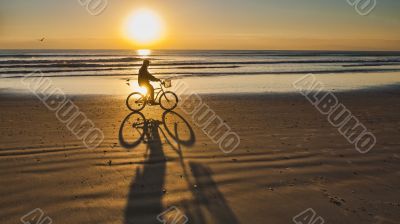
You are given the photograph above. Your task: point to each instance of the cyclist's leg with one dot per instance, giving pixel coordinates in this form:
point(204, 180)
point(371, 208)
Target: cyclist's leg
point(150, 90)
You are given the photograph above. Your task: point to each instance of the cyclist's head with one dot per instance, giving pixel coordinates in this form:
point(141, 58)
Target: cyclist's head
point(146, 62)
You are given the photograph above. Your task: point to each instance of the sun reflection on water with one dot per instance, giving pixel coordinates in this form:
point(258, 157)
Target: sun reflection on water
point(143, 52)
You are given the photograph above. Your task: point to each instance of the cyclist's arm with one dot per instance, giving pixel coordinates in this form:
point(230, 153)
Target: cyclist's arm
point(152, 78)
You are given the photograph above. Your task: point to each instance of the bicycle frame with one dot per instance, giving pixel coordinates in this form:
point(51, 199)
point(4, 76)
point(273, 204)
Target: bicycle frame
point(157, 93)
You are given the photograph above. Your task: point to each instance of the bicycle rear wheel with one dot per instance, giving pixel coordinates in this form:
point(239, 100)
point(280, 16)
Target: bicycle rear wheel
point(136, 102)
point(168, 101)
point(132, 130)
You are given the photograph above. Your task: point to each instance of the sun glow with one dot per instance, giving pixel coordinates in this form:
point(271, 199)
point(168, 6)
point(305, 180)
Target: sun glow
point(143, 27)
point(142, 90)
point(134, 86)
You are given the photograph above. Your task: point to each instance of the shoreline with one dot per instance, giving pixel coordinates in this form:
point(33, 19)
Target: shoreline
point(10, 93)
point(258, 84)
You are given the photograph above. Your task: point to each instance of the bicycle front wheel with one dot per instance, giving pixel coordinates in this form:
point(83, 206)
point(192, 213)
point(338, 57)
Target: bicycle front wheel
point(136, 102)
point(168, 101)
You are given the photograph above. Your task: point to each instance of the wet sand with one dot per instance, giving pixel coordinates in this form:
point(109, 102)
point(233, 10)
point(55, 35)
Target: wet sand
point(290, 159)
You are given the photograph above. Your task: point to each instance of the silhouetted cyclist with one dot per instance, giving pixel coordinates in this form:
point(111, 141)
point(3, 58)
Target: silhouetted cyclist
point(144, 79)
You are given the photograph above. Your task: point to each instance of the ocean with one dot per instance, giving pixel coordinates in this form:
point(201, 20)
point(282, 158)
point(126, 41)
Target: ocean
point(122, 64)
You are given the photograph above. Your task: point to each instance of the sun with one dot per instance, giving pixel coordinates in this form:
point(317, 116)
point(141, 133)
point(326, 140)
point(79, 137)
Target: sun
point(144, 27)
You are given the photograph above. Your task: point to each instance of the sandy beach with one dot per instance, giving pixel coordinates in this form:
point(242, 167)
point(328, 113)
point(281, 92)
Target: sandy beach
point(290, 159)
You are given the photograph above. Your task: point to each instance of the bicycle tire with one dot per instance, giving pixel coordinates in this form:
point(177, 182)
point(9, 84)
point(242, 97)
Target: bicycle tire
point(171, 97)
point(136, 106)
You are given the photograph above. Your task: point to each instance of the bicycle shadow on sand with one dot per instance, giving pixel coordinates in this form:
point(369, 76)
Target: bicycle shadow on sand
point(146, 192)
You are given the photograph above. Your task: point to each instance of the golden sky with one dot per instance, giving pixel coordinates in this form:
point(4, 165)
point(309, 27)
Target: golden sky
point(205, 24)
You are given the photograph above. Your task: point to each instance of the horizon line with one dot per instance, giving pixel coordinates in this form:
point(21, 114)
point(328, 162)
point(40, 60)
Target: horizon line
point(126, 49)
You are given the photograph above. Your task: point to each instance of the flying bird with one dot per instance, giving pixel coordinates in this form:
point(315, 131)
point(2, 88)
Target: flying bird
point(41, 40)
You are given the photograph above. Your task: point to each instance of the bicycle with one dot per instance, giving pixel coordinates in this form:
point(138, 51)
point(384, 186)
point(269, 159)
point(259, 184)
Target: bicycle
point(167, 100)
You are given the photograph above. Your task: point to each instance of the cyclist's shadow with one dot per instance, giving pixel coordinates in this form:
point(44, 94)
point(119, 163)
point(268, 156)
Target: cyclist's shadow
point(146, 191)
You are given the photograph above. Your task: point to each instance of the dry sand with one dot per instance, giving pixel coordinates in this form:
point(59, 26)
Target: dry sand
point(290, 159)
